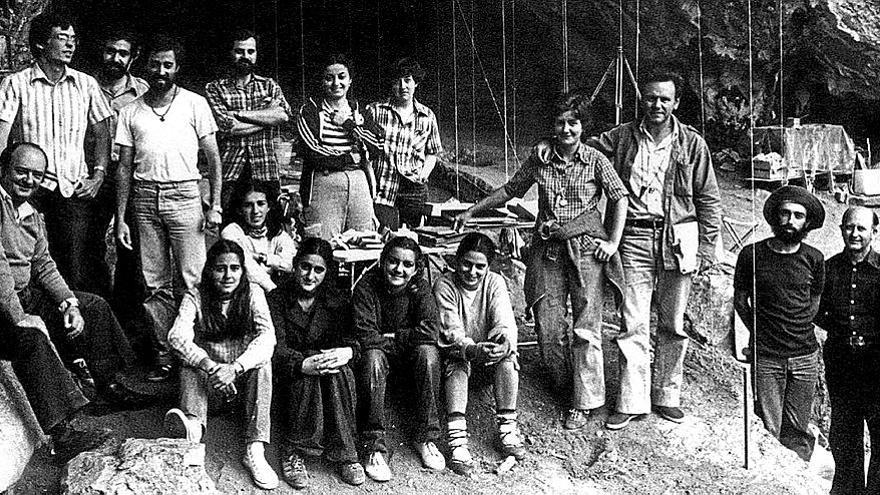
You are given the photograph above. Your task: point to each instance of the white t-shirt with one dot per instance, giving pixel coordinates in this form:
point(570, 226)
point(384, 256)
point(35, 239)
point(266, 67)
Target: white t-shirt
point(166, 151)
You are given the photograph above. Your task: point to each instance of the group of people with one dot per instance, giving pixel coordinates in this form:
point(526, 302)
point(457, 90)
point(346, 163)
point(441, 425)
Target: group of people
point(782, 287)
point(257, 314)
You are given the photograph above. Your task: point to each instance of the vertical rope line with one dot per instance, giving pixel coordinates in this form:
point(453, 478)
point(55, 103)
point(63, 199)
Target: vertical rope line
point(754, 294)
point(379, 42)
point(638, 39)
point(275, 27)
point(700, 54)
point(455, 98)
point(513, 55)
point(302, 50)
point(565, 46)
point(782, 98)
point(618, 75)
point(473, 94)
point(504, 78)
point(437, 49)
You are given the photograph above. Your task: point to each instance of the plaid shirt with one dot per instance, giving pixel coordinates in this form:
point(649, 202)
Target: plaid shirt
point(252, 351)
point(256, 149)
point(566, 189)
point(405, 146)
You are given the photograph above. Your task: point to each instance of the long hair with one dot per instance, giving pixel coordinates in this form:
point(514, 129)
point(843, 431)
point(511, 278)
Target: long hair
point(238, 320)
point(273, 215)
point(322, 248)
point(408, 244)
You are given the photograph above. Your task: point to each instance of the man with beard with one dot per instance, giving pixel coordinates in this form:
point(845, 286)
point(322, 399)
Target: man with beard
point(160, 135)
point(776, 290)
point(120, 48)
point(848, 312)
point(674, 204)
point(52, 105)
point(247, 108)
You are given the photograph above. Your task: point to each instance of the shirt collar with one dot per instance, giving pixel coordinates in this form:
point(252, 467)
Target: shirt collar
point(233, 82)
point(130, 85)
point(579, 154)
point(23, 211)
point(39, 74)
point(873, 259)
point(417, 107)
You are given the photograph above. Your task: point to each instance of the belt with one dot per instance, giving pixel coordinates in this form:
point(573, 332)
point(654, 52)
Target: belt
point(645, 223)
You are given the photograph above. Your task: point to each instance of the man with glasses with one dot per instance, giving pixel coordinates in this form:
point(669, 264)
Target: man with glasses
point(52, 105)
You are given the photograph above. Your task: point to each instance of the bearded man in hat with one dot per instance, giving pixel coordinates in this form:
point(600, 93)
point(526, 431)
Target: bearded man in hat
point(777, 286)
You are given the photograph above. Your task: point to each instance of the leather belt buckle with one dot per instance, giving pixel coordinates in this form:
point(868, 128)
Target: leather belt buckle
point(857, 341)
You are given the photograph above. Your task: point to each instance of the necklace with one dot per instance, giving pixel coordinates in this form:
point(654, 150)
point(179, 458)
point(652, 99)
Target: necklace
point(168, 109)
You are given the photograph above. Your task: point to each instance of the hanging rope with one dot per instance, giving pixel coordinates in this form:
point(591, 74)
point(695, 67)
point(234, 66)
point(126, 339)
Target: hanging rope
point(379, 39)
point(700, 54)
point(513, 55)
point(436, 52)
point(752, 247)
point(636, 76)
point(455, 98)
point(484, 74)
point(504, 79)
point(565, 46)
point(302, 50)
point(473, 97)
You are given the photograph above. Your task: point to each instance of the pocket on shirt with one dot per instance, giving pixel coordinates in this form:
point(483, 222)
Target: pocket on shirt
point(683, 184)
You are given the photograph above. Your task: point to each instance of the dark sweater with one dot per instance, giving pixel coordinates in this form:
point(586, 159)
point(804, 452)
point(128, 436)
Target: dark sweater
point(788, 288)
point(301, 334)
point(411, 315)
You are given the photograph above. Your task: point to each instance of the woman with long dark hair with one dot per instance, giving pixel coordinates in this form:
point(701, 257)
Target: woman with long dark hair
point(338, 183)
point(316, 345)
point(257, 228)
point(224, 336)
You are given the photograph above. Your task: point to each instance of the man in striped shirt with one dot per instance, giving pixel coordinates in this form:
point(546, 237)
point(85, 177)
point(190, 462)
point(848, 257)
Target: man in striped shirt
point(411, 145)
point(248, 108)
point(52, 105)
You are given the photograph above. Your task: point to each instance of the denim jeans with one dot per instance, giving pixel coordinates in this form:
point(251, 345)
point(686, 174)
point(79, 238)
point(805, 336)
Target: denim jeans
point(784, 389)
point(170, 223)
point(642, 382)
point(76, 230)
point(408, 207)
point(254, 389)
point(340, 201)
point(852, 376)
point(421, 364)
point(572, 354)
point(319, 413)
point(504, 375)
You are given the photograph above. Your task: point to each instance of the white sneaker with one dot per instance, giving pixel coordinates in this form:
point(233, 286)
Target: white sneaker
point(377, 469)
point(431, 457)
point(179, 425)
point(261, 472)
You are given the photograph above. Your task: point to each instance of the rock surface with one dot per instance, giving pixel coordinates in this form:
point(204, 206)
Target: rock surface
point(141, 467)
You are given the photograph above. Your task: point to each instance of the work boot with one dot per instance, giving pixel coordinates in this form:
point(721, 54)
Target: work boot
point(377, 469)
point(294, 470)
point(509, 435)
point(460, 460)
point(352, 473)
point(576, 419)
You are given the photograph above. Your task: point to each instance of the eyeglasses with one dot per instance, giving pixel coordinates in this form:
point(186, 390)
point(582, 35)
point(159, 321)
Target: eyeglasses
point(66, 38)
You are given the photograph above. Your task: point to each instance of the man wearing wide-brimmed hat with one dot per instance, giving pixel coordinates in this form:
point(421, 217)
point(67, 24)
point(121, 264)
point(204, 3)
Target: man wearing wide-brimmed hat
point(777, 286)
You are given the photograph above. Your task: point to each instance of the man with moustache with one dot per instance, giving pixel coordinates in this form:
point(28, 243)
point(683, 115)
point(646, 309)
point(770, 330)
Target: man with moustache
point(674, 203)
point(52, 105)
point(160, 136)
point(777, 285)
point(119, 49)
point(411, 146)
point(848, 312)
point(248, 107)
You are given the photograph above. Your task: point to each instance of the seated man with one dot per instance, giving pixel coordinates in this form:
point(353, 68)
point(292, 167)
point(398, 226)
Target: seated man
point(396, 322)
point(479, 331)
point(34, 295)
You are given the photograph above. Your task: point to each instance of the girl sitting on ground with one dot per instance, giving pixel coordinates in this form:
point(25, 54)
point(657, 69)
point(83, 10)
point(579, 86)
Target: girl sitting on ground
point(315, 347)
point(224, 336)
point(479, 334)
point(257, 228)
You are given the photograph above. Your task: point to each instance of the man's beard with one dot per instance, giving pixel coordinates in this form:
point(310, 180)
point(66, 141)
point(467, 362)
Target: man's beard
point(113, 71)
point(242, 67)
point(160, 84)
point(788, 234)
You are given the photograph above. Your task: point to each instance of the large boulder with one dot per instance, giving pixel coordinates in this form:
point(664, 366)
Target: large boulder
point(20, 433)
point(162, 466)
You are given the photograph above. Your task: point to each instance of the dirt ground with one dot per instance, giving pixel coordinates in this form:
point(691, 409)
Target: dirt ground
point(704, 455)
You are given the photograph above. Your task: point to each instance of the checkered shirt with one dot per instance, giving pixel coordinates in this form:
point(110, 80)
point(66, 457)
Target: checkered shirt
point(405, 146)
point(226, 98)
point(566, 189)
